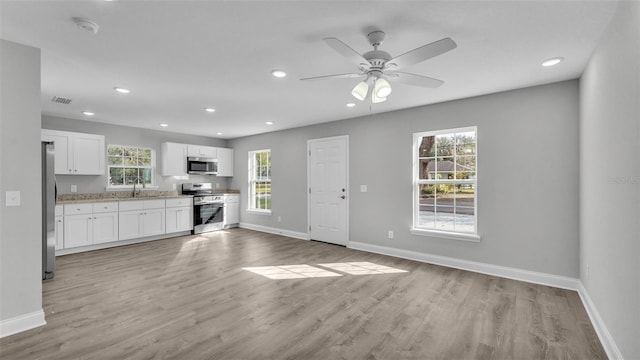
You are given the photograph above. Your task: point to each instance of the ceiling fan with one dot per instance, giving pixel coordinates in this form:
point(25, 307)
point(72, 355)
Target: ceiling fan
point(377, 66)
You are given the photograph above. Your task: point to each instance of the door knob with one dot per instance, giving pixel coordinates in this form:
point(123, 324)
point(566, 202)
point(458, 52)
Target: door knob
point(343, 197)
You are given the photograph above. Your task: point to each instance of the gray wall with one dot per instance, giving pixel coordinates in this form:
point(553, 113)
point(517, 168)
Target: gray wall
point(20, 227)
point(610, 179)
point(128, 136)
point(527, 184)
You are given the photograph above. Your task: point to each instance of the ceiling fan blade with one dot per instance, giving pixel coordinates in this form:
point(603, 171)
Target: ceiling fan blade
point(414, 79)
point(421, 54)
point(346, 51)
point(336, 76)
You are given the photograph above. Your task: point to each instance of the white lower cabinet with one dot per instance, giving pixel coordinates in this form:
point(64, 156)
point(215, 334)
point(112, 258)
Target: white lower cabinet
point(86, 224)
point(141, 218)
point(77, 230)
point(179, 215)
point(59, 227)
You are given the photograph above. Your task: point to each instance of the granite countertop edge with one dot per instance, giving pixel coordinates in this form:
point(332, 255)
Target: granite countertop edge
point(81, 201)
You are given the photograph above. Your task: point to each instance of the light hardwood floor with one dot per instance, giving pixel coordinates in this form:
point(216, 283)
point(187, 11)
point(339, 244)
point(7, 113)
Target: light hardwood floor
point(189, 298)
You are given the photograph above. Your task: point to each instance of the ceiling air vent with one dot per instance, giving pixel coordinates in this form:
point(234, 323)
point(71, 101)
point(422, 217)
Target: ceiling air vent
point(60, 100)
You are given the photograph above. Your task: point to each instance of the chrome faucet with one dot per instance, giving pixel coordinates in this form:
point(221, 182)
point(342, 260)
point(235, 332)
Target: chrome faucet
point(133, 194)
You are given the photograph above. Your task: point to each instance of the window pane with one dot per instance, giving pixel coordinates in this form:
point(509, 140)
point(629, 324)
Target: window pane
point(130, 151)
point(114, 150)
point(130, 161)
point(115, 176)
point(466, 143)
point(144, 161)
point(426, 205)
point(427, 169)
point(145, 175)
point(115, 160)
point(445, 145)
point(130, 176)
point(444, 168)
point(427, 146)
point(144, 153)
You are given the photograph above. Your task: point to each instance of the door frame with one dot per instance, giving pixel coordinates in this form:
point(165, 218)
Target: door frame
point(348, 200)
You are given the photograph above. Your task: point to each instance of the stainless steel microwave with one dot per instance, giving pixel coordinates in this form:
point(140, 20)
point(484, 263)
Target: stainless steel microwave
point(200, 165)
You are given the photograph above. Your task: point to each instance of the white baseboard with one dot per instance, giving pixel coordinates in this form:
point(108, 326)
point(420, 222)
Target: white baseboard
point(609, 345)
point(22, 323)
point(489, 269)
point(271, 230)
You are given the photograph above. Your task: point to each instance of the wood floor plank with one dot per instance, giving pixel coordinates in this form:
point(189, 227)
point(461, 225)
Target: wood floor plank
point(189, 298)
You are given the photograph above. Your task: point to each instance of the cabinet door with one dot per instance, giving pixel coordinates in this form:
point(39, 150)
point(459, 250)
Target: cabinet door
point(153, 222)
point(88, 154)
point(185, 218)
point(105, 227)
point(173, 159)
point(172, 220)
point(59, 232)
point(77, 230)
point(225, 162)
point(201, 151)
point(63, 159)
point(130, 224)
point(232, 213)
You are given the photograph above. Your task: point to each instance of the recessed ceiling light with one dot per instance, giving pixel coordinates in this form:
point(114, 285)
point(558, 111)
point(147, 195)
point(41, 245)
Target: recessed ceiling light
point(553, 61)
point(86, 25)
point(209, 109)
point(278, 73)
point(269, 122)
point(219, 133)
point(122, 90)
point(351, 105)
point(88, 113)
point(164, 125)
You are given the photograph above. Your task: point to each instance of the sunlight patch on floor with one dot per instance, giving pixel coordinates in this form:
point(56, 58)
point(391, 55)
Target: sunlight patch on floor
point(362, 268)
point(291, 271)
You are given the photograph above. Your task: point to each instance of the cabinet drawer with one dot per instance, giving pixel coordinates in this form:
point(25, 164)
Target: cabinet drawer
point(179, 202)
point(131, 205)
point(154, 204)
point(104, 207)
point(77, 209)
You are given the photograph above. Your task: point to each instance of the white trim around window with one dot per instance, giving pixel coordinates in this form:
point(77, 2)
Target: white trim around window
point(445, 184)
point(259, 182)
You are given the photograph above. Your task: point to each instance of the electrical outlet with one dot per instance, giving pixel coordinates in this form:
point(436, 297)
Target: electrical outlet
point(279, 218)
point(390, 235)
point(217, 186)
point(74, 188)
point(174, 186)
point(363, 188)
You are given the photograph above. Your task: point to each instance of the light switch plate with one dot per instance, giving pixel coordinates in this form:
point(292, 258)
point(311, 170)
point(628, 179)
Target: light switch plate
point(363, 188)
point(12, 198)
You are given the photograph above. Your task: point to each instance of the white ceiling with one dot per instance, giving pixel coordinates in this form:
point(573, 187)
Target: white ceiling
point(178, 57)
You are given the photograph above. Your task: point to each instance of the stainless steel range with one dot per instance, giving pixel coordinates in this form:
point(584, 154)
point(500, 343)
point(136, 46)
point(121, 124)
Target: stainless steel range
point(208, 207)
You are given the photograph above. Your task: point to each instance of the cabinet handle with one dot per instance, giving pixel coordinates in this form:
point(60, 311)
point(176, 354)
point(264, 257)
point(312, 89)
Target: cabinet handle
point(70, 170)
point(59, 221)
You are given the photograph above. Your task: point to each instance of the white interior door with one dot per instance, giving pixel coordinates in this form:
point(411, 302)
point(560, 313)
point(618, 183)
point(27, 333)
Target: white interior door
point(328, 190)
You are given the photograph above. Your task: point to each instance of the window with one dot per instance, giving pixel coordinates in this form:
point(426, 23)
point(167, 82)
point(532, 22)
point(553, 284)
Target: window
point(130, 165)
point(445, 176)
point(260, 181)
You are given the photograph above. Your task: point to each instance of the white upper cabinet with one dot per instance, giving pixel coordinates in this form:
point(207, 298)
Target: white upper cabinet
point(76, 153)
point(201, 151)
point(173, 159)
point(225, 162)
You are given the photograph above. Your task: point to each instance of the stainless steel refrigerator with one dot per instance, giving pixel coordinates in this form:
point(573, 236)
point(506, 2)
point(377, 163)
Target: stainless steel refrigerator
point(48, 211)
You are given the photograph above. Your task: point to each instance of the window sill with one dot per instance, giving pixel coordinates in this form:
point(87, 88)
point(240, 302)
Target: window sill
point(446, 234)
point(130, 188)
point(259, 212)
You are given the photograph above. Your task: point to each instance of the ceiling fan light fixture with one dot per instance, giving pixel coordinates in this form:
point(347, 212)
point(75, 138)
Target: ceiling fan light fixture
point(382, 89)
point(360, 90)
point(376, 99)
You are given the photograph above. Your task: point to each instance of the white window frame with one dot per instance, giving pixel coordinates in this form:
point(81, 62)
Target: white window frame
point(128, 186)
point(426, 231)
point(252, 180)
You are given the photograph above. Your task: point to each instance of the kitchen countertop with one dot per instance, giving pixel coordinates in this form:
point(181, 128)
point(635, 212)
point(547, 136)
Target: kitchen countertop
point(127, 196)
point(118, 196)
